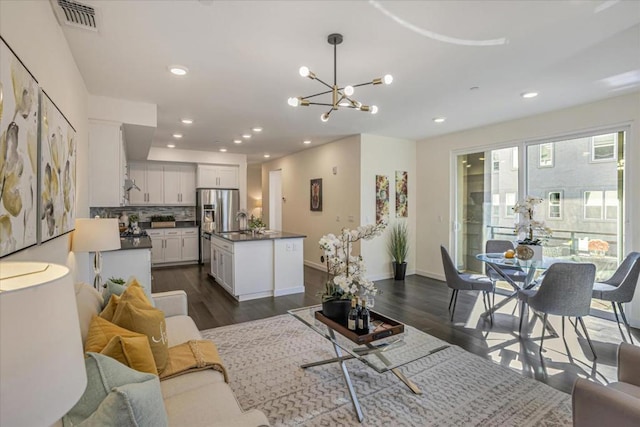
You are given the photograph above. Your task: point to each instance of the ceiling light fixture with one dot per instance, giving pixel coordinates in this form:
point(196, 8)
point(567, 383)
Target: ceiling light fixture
point(246, 136)
point(439, 119)
point(223, 150)
point(529, 94)
point(178, 70)
point(266, 156)
point(177, 135)
point(257, 129)
point(237, 141)
point(306, 141)
point(171, 145)
point(187, 121)
point(340, 96)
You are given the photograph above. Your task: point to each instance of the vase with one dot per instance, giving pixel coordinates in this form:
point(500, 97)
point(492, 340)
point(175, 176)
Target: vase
point(337, 310)
point(399, 270)
point(529, 252)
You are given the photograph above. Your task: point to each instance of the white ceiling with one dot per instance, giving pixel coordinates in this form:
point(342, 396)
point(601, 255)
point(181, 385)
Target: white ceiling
point(243, 58)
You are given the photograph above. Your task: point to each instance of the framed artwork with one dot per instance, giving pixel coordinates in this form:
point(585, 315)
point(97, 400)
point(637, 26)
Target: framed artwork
point(18, 154)
point(316, 195)
point(57, 171)
point(402, 210)
point(382, 198)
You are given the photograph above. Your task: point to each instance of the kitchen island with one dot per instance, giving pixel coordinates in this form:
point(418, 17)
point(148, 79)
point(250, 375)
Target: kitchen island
point(132, 259)
point(251, 266)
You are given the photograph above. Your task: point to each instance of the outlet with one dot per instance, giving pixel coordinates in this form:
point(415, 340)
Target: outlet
point(288, 246)
point(350, 218)
point(294, 247)
point(338, 218)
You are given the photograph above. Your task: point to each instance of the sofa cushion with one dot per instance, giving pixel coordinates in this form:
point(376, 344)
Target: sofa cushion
point(109, 310)
point(181, 329)
point(214, 401)
point(148, 321)
point(101, 331)
point(117, 289)
point(626, 388)
point(134, 352)
point(117, 396)
point(193, 380)
point(89, 304)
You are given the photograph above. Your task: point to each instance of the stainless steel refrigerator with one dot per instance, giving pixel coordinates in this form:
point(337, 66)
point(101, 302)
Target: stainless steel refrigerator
point(216, 211)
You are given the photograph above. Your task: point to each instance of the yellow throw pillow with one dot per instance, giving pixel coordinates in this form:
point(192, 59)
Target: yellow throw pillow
point(100, 333)
point(109, 310)
point(135, 294)
point(134, 352)
point(148, 321)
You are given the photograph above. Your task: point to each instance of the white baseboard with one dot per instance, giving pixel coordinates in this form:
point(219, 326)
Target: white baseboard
point(288, 291)
point(431, 275)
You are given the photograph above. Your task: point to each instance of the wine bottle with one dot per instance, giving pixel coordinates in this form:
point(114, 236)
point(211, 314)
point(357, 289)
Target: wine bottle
point(364, 318)
point(352, 321)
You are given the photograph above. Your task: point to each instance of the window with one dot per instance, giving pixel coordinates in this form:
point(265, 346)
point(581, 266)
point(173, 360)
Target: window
point(545, 159)
point(603, 147)
point(555, 205)
point(509, 203)
point(514, 158)
point(611, 205)
point(495, 204)
point(495, 162)
point(593, 204)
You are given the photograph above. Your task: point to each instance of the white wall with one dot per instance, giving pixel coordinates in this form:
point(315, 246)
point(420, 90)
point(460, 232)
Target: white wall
point(434, 157)
point(384, 156)
point(31, 30)
point(340, 192)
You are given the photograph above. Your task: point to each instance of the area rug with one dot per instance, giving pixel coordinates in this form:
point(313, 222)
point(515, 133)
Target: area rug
point(263, 359)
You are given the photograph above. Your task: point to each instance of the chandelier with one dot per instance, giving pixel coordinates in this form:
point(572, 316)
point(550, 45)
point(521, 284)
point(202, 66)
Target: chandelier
point(340, 96)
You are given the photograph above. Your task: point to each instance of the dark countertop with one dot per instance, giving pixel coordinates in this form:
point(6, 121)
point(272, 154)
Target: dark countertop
point(238, 236)
point(143, 242)
point(179, 224)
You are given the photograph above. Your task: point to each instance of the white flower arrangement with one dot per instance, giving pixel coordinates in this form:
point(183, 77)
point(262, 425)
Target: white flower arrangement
point(533, 231)
point(347, 271)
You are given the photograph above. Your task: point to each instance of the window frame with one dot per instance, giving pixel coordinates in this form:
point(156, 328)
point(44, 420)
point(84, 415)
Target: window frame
point(592, 146)
point(551, 146)
point(508, 211)
point(559, 204)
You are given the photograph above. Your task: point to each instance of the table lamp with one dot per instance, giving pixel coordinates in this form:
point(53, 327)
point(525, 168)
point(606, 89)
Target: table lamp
point(42, 372)
point(96, 235)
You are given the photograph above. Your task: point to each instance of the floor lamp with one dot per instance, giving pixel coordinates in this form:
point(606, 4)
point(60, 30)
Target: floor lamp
point(42, 373)
point(96, 235)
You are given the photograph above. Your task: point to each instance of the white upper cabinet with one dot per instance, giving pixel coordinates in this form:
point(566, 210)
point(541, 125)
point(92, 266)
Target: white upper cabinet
point(163, 184)
point(149, 178)
point(107, 164)
point(215, 176)
point(179, 185)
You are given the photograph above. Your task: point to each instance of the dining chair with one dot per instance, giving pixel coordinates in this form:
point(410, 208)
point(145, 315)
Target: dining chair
point(500, 246)
point(565, 290)
point(620, 287)
point(465, 282)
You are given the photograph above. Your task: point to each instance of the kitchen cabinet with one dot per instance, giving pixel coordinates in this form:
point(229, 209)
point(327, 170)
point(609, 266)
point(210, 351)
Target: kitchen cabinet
point(217, 176)
point(179, 184)
point(149, 178)
point(107, 164)
point(174, 245)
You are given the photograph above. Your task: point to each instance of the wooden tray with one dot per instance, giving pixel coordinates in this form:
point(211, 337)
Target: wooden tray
point(163, 224)
point(387, 328)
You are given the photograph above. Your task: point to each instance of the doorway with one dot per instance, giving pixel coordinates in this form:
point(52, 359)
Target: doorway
point(275, 200)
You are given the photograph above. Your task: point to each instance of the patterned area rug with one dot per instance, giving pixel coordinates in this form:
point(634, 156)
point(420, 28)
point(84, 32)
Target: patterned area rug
point(459, 388)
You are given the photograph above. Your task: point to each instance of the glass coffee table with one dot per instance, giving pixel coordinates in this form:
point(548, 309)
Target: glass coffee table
point(383, 355)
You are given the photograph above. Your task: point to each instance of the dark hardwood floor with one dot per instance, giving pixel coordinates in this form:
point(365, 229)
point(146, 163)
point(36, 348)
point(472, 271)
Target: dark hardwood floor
point(423, 303)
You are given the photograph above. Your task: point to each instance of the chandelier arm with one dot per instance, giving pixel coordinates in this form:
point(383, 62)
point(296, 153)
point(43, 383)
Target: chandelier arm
point(317, 94)
point(321, 103)
point(363, 84)
point(327, 85)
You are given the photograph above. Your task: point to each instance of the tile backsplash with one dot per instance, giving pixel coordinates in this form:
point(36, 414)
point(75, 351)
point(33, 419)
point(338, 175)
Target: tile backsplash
point(181, 213)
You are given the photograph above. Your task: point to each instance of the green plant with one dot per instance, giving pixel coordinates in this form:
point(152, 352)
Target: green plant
point(133, 218)
point(256, 223)
point(117, 280)
point(398, 244)
point(162, 218)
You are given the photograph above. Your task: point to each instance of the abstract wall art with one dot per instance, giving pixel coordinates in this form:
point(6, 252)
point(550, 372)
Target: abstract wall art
point(57, 173)
point(402, 207)
point(382, 198)
point(18, 154)
point(316, 195)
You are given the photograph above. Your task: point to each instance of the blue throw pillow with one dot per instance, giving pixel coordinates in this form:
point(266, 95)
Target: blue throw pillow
point(111, 288)
point(117, 396)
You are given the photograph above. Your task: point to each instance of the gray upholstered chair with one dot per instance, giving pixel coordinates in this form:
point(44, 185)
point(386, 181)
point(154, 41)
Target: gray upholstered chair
point(466, 282)
point(565, 290)
point(500, 246)
point(617, 404)
point(620, 287)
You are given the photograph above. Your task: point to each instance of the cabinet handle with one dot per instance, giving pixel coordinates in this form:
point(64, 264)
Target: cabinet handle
point(183, 242)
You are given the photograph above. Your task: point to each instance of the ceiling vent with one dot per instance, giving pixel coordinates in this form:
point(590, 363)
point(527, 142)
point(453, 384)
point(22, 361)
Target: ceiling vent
point(75, 14)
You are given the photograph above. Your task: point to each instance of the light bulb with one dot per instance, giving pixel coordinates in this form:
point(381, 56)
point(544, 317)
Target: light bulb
point(344, 103)
point(348, 90)
point(374, 109)
point(358, 104)
point(294, 102)
point(304, 71)
point(388, 79)
point(324, 117)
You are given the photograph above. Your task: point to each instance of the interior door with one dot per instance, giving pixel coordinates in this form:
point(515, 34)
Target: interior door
point(275, 200)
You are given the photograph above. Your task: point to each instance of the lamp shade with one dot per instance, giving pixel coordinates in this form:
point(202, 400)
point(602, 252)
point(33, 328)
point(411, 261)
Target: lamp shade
point(96, 235)
point(42, 373)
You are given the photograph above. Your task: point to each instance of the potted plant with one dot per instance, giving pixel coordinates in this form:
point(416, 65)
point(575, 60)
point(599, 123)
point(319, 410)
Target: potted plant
point(530, 232)
point(398, 247)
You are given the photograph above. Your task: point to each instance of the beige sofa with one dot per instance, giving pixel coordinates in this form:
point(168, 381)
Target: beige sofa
point(617, 404)
point(195, 399)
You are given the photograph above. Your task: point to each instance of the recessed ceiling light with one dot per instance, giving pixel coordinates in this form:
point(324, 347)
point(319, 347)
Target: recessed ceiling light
point(246, 136)
point(177, 135)
point(529, 94)
point(223, 150)
point(469, 165)
point(257, 129)
point(439, 119)
point(187, 121)
point(178, 70)
point(481, 158)
point(171, 145)
point(267, 156)
point(306, 141)
point(237, 141)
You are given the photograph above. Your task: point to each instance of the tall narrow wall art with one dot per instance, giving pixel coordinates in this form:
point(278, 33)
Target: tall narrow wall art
point(382, 198)
point(402, 208)
point(57, 173)
point(18, 153)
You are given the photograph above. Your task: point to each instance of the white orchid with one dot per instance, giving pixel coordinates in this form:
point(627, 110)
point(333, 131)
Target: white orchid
point(532, 230)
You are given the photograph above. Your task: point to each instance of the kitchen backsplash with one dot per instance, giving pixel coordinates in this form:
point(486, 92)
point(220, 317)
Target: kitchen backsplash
point(181, 213)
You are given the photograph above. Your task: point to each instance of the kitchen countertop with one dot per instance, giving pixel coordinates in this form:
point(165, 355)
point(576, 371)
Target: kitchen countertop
point(237, 236)
point(143, 242)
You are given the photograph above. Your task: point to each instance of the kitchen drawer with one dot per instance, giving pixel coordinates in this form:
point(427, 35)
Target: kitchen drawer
point(222, 244)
